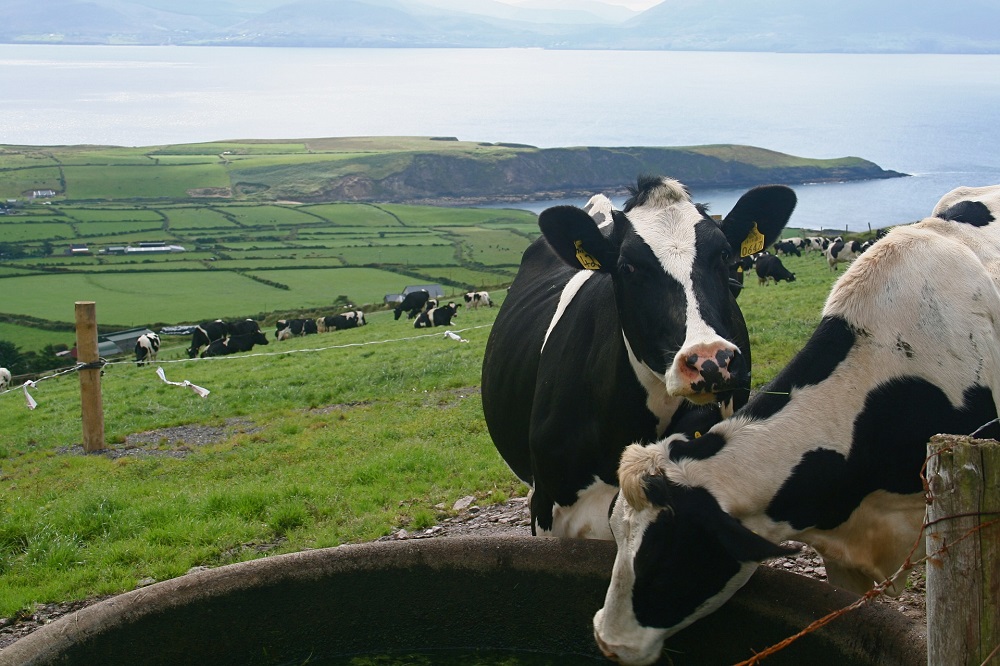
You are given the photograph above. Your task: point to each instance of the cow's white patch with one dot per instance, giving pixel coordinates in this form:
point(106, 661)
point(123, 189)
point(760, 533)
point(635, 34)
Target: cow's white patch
point(659, 401)
point(569, 292)
point(587, 518)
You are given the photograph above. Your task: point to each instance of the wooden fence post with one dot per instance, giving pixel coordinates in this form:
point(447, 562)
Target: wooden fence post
point(91, 403)
point(963, 547)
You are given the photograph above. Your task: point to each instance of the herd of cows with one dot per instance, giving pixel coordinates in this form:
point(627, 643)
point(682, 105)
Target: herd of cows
point(220, 338)
point(631, 419)
point(769, 268)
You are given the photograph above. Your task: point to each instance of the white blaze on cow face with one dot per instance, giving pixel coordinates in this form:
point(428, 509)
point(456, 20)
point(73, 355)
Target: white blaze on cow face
point(667, 225)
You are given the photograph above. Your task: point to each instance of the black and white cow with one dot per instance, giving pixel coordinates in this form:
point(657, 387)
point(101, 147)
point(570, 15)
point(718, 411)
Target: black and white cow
point(412, 304)
point(769, 267)
point(813, 244)
point(242, 342)
point(244, 327)
point(901, 353)
point(787, 248)
point(4, 378)
point(474, 299)
point(205, 334)
point(293, 328)
point(343, 321)
point(840, 251)
point(610, 336)
point(146, 348)
point(439, 316)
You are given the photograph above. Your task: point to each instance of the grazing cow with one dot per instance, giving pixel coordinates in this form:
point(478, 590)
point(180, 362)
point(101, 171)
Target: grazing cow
point(439, 316)
point(474, 299)
point(610, 336)
point(769, 267)
point(205, 334)
point(412, 304)
point(787, 247)
point(841, 251)
point(146, 348)
point(242, 342)
point(813, 244)
point(4, 378)
point(901, 353)
point(344, 321)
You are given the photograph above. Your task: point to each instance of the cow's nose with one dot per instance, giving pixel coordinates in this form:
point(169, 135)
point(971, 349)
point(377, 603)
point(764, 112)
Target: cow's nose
point(705, 368)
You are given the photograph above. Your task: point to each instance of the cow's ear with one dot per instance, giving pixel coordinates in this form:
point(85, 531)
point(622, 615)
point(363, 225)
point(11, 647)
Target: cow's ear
point(757, 219)
point(574, 236)
point(741, 543)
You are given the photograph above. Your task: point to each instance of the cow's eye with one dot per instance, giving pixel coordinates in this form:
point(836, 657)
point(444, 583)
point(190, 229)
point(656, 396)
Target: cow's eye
point(725, 257)
point(627, 268)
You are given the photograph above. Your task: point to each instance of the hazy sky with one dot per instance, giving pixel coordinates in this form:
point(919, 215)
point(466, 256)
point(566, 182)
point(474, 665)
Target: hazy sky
point(631, 4)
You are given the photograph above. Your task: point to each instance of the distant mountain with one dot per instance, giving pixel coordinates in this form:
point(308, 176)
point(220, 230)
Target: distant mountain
point(886, 26)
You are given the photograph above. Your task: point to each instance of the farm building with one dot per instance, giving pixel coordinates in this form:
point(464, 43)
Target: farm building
point(153, 248)
point(119, 342)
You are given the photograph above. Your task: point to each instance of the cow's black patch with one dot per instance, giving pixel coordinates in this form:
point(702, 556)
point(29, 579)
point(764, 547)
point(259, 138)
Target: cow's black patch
point(698, 448)
point(975, 213)
point(887, 452)
point(826, 349)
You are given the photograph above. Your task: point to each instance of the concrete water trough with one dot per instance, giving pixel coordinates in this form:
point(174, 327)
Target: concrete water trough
point(448, 599)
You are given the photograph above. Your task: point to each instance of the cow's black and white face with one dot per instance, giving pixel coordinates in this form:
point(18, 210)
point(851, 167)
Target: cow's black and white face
point(670, 265)
point(680, 557)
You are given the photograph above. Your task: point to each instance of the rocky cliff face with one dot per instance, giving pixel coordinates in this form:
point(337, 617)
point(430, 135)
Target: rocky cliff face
point(565, 172)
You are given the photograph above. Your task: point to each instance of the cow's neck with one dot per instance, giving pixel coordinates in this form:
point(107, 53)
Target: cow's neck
point(660, 403)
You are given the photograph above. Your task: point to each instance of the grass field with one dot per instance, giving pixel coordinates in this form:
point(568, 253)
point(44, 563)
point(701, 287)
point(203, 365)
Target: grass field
point(318, 441)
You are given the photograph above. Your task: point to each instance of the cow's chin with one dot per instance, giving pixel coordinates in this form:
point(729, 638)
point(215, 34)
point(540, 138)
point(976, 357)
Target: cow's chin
point(702, 398)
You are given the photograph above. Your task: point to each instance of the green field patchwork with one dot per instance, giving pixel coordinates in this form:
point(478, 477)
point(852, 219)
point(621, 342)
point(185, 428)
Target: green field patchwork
point(146, 182)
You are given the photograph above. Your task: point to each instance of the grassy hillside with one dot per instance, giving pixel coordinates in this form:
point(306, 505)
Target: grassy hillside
point(400, 169)
point(328, 439)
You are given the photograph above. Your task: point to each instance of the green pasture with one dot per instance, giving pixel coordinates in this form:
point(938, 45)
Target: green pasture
point(425, 216)
point(93, 229)
point(16, 182)
point(36, 231)
point(470, 278)
point(303, 263)
point(137, 299)
point(309, 452)
point(29, 338)
point(89, 215)
point(196, 219)
point(352, 215)
point(491, 246)
point(266, 215)
point(217, 148)
point(141, 182)
point(414, 255)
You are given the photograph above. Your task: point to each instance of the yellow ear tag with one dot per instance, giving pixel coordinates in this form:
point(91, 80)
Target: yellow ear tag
point(739, 269)
point(585, 258)
point(753, 244)
point(697, 434)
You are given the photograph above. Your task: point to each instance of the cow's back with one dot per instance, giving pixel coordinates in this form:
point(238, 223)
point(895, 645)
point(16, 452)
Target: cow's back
point(510, 363)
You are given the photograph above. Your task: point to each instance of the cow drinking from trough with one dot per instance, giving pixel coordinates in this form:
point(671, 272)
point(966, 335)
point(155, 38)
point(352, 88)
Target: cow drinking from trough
point(900, 354)
point(612, 335)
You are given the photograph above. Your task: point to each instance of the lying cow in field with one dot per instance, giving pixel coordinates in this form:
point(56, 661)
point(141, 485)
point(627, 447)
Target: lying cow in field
point(412, 304)
point(474, 299)
point(769, 267)
point(293, 328)
point(901, 353)
point(439, 316)
point(344, 321)
point(4, 378)
point(146, 348)
point(242, 342)
point(205, 334)
point(615, 330)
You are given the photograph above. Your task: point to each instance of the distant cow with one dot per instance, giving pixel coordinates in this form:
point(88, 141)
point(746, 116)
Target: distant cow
point(243, 342)
point(344, 321)
point(293, 328)
point(615, 330)
point(146, 348)
point(769, 267)
point(205, 334)
point(841, 251)
point(813, 244)
point(474, 299)
point(243, 327)
point(787, 247)
point(439, 316)
point(412, 304)
point(901, 353)
point(4, 378)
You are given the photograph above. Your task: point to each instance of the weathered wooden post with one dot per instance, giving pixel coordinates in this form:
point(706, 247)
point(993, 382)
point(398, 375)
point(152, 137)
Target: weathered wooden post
point(91, 404)
point(963, 548)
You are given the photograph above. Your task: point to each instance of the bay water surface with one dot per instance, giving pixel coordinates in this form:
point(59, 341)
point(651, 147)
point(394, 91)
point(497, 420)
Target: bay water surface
point(936, 117)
